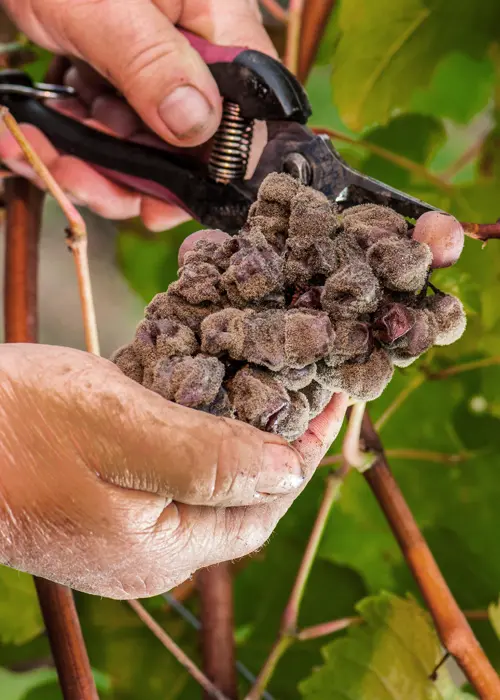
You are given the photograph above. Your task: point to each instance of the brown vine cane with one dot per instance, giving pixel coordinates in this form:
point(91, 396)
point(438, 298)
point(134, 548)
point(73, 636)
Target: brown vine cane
point(24, 208)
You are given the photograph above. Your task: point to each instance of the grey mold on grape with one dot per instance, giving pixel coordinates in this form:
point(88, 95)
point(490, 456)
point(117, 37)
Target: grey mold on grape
point(306, 301)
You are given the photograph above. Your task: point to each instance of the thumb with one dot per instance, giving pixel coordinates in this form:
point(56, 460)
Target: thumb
point(242, 26)
point(139, 50)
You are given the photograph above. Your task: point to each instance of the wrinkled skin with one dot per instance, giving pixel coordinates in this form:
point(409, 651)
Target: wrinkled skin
point(146, 60)
point(107, 487)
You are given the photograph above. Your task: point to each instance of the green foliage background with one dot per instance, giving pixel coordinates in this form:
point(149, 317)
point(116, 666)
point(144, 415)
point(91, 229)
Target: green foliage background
point(421, 79)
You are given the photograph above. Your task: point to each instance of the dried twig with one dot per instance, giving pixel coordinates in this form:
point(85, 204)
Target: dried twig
point(430, 456)
point(452, 626)
point(314, 22)
point(192, 620)
point(333, 626)
point(275, 10)
point(417, 455)
point(217, 631)
point(331, 494)
point(24, 206)
point(330, 627)
point(288, 628)
point(176, 651)
point(292, 48)
point(464, 367)
point(77, 233)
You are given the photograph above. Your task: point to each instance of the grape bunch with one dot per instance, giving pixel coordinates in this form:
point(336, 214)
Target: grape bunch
point(306, 301)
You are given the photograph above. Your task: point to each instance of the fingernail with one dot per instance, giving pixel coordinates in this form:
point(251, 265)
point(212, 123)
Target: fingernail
point(282, 471)
point(185, 111)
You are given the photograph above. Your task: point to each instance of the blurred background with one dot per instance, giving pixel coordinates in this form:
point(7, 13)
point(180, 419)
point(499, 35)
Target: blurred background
point(411, 93)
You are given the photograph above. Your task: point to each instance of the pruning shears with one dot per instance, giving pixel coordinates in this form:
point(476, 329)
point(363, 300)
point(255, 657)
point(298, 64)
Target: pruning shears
point(215, 191)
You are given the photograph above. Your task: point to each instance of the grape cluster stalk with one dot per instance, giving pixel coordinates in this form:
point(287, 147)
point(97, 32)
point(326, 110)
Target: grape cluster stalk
point(307, 300)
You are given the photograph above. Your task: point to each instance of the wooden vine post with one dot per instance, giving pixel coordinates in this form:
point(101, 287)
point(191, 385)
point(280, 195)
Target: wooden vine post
point(24, 208)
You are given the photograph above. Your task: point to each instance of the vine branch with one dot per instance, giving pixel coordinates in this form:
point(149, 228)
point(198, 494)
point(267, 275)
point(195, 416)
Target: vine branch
point(76, 234)
point(482, 232)
point(314, 22)
point(292, 46)
point(24, 208)
point(454, 631)
point(215, 587)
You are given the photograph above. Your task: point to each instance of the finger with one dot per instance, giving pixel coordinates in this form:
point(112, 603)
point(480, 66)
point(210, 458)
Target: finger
point(87, 83)
point(196, 537)
point(160, 216)
point(116, 115)
point(242, 26)
point(322, 431)
point(11, 151)
point(150, 62)
point(91, 189)
point(135, 439)
point(208, 234)
point(70, 106)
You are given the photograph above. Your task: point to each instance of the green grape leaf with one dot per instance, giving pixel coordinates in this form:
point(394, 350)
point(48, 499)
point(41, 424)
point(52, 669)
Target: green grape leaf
point(16, 686)
point(414, 136)
point(51, 690)
point(20, 617)
point(323, 112)
point(444, 96)
point(494, 615)
point(389, 656)
point(387, 50)
point(37, 69)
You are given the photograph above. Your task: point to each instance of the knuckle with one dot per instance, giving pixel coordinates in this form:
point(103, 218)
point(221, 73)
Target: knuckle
point(147, 59)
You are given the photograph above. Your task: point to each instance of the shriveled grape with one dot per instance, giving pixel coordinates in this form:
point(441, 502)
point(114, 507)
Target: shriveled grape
point(306, 301)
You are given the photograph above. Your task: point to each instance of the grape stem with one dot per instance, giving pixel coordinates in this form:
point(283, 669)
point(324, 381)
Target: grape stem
point(453, 629)
point(176, 651)
point(288, 629)
point(417, 455)
point(333, 626)
point(481, 232)
point(314, 20)
point(292, 47)
point(352, 453)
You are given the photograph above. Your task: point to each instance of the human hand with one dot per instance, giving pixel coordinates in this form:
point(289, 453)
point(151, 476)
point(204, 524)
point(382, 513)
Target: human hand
point(110, 489)
point(136, 47)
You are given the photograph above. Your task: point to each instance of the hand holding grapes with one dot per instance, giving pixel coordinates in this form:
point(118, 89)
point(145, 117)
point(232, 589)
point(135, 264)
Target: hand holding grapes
point(135, 48)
